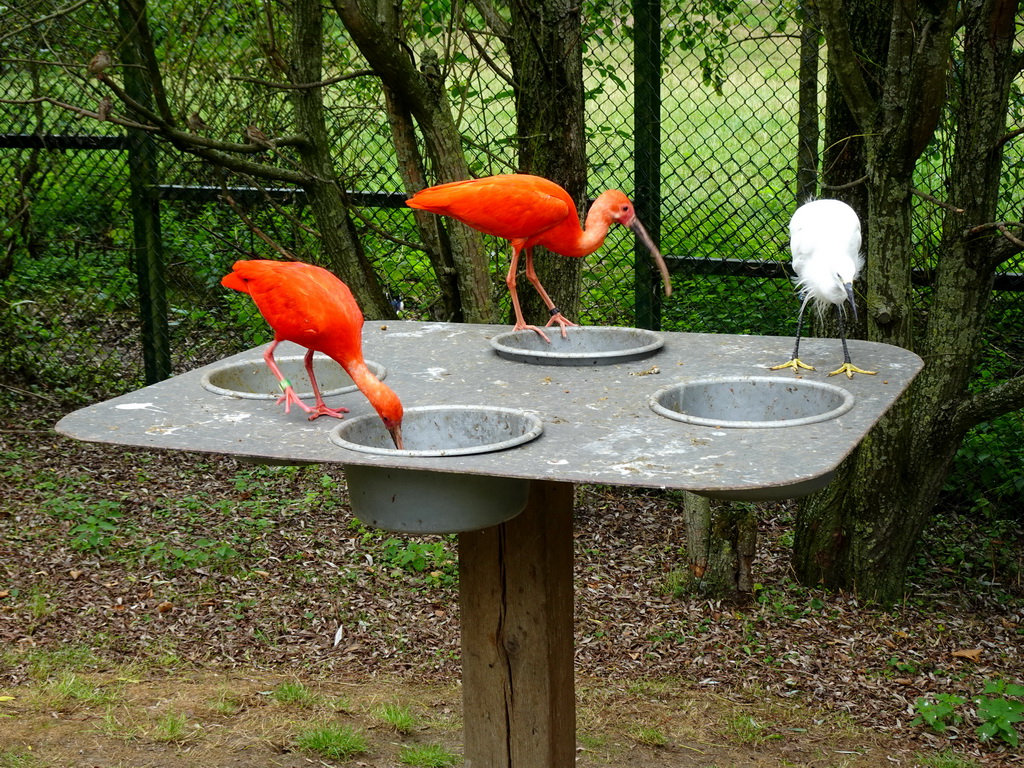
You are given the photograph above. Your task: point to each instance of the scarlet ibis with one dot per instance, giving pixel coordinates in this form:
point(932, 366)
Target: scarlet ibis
point(527, 211)
point(309, 306)
point(824, 237)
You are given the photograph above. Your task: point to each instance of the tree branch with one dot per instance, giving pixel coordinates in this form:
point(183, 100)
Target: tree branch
point(493, 19)
point(1009, 137)
point(850, 75)
point(1009, 246)
point(991, 403)
point(36, 22)
point(122, 121)
point(302, 86)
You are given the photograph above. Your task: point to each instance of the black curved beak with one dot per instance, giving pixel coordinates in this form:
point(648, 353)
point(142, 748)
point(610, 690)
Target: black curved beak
point(849, 295)
point(645, 238)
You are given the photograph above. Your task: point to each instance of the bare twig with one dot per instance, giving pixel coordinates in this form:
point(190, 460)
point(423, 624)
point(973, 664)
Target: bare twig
point(252, 226)
point(1002, 226)
point(84, 112)
point(935, 200)
point(847, 185)
point(391, 238)
point(303, 86)
point(493, 65)
point(42, 19)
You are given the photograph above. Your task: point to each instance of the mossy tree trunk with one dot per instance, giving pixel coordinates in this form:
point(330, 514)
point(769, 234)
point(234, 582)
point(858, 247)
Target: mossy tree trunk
point(861, 532)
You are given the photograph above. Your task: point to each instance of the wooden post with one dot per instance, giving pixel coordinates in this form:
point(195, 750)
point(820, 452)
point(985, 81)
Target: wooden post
point(516, 602)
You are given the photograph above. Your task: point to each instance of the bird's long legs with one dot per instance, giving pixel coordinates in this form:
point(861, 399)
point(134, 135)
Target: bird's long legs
point(796, 363)
point(321, 407)
point(556, 314)
point(847, 367)
point(510, 281)
point(289, 397)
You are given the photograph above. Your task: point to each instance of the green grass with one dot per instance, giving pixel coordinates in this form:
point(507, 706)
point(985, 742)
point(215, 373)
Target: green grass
point(427, 756)
point(398, 717)
point(945, 759)
point(336, 742)
point(70, 690)
point(18, 758)
point(170, 727)
point(294, 693)
point(748, 730)
point(649, 736)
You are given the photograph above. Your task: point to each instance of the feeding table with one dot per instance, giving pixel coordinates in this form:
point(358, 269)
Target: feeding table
point(622, 423)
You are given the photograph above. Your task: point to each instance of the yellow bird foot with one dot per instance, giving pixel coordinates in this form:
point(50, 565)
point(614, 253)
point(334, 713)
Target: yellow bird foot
point(796, 364)
point(849, 369)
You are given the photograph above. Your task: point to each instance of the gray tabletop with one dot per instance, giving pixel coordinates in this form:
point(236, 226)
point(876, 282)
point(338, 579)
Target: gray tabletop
point(598, 426)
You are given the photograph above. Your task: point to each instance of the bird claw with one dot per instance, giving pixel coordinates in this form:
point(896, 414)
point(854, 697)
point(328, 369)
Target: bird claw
point(849, 369)
point(289, 398)
point(323, 410)
point(525, 327)
point(796, 364)
point(563, 321)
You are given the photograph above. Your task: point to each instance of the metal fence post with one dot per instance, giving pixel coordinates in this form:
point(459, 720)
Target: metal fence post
point(647, 153)
point(145, 207)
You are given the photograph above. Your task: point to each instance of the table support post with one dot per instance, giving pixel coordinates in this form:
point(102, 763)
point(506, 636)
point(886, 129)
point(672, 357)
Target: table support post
point(516, 604)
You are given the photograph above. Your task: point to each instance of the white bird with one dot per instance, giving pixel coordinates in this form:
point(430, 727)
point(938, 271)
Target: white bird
point(824, 236)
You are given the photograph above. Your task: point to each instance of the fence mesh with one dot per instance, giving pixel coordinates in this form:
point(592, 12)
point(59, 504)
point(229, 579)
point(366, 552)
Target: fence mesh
point(70, 286)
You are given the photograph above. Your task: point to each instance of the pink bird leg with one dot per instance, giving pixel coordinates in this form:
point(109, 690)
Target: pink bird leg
point(290, 398)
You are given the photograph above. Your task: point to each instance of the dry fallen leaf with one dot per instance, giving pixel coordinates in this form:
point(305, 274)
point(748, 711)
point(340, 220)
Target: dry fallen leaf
point(971, 654)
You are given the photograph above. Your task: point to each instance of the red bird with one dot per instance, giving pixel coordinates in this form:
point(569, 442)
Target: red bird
point(311, 307)
point(529, 211)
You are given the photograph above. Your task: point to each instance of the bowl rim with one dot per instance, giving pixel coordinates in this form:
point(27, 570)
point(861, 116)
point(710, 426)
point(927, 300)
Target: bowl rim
point(378, 370)
point(536, 427)
point(656, 341)
point(847, 403)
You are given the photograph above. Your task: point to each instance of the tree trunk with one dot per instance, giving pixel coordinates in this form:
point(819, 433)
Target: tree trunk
point(375, 31)
point(342, 250)
point(720, 546)
point(433, 235)
point(547, 65)
point(807, 116)
point(861, 532)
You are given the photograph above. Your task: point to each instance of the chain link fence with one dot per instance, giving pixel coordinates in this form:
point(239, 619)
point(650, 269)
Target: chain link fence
point(71, 314)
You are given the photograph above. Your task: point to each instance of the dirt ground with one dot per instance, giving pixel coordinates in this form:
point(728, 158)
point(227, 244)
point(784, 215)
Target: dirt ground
point(154, 609)
point(616, 721)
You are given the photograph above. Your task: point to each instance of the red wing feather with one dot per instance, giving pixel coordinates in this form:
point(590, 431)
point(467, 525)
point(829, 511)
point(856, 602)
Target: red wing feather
point(301, 302)
point(511, 207)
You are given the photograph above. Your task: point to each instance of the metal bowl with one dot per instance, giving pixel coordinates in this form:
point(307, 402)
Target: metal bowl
point(252, 379)
point(751, 402)
point(423, 501)
point(441, 430)
point(584, 345)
